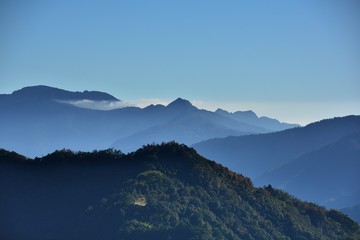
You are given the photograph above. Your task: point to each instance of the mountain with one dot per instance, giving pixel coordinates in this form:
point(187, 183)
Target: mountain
point(163, 191)
point(325, 175)
point(181, 104)
point(251, 118)
point(50, 93)
point(191, 125)
point(254, 155)
point(38, 120)
point(353, 212)
point(318, 162)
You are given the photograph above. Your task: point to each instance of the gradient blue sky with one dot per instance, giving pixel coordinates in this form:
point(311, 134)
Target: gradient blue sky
point(298, 61)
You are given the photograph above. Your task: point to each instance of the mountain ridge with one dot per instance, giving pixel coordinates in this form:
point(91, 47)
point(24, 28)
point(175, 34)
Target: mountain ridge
point(160, 191)
point(35, 122)
point(280, 147)
point(52, 93)
point(181, 104)
point(335, 164)
point(318, 162)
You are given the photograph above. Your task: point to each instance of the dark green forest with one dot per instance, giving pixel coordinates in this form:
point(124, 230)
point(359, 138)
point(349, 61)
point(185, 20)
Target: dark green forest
point(164, 191)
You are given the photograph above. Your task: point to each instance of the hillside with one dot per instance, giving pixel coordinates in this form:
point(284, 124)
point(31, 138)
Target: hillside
point(40, 119)
point(255, 155)
point(163, 191)
point(353, 212)
point(325, 175)
point(190, 126)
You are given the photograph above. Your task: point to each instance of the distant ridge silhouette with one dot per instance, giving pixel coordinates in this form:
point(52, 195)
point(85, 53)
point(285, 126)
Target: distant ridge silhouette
point(51, 93)
point(318, 162)
point(40, 119)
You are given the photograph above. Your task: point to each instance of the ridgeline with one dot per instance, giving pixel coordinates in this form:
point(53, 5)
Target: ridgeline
point(164, 191)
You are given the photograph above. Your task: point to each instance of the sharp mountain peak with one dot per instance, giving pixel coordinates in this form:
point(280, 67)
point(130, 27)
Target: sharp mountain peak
point(181, 103)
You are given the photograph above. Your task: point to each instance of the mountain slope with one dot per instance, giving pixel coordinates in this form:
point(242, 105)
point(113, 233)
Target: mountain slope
point(324, 175)
point(161, 192)
point(190, 126)
point(353, 212)
point(256, 154)
point(251, 118)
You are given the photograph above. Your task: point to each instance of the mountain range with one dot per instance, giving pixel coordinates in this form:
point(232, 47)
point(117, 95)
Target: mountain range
point(164, 191)
point(40, 119)
point(318, 162)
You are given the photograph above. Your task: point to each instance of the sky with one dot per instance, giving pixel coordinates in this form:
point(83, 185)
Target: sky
point(297, 61)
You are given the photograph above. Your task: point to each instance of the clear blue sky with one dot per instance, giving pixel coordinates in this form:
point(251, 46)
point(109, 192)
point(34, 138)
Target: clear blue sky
point(298, 61)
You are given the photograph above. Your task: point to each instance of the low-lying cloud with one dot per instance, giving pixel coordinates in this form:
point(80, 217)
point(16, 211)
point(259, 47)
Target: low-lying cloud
point(98, 105)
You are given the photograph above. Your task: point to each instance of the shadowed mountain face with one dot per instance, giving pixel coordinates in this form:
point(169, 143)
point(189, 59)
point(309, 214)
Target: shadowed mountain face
point(319, 162)
point(38, 120)
point(46, 93)
point(157, 192)
point(353, 212)
point(256, 154)
point(325, 175)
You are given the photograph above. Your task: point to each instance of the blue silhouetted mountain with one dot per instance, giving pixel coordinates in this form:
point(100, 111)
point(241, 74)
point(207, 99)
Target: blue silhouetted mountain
point(163, 191)
point(51, 93)
point(38, 120)
point(189, 125)
point(318, 162)
point(181, 105)
point(256, 154)
point(353, 212)
point(252, 118)
point(348, 200)
point(326, 175)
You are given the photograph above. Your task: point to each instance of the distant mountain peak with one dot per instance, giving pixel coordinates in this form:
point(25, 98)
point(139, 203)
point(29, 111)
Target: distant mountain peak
point(181, 104)
point(248, 113)
point(46, 92)
point(242, 113)
point(221, 111)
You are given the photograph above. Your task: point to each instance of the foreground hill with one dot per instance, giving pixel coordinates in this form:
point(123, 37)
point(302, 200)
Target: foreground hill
point(157, 192)
point(38, 120)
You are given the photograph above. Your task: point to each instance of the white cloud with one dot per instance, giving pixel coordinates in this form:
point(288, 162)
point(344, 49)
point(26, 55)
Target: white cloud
point(98, 105)
point(110, 105)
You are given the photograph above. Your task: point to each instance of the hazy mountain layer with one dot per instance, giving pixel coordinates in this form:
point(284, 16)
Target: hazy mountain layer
point(158, 192)
point(251, 118)
point(38, 120)
point(319, 162)
point(325, 175)
point(353, 212)
point(254, 155)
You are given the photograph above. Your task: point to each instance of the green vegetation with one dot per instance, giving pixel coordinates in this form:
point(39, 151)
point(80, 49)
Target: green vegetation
point(168, 191)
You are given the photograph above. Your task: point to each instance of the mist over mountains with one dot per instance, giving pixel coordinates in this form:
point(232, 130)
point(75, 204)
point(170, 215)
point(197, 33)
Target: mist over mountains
point(38, 120)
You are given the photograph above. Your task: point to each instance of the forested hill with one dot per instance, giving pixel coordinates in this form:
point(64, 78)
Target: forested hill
point(163, 191)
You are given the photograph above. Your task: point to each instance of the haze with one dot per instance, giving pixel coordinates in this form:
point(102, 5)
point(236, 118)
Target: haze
point(296, 61)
